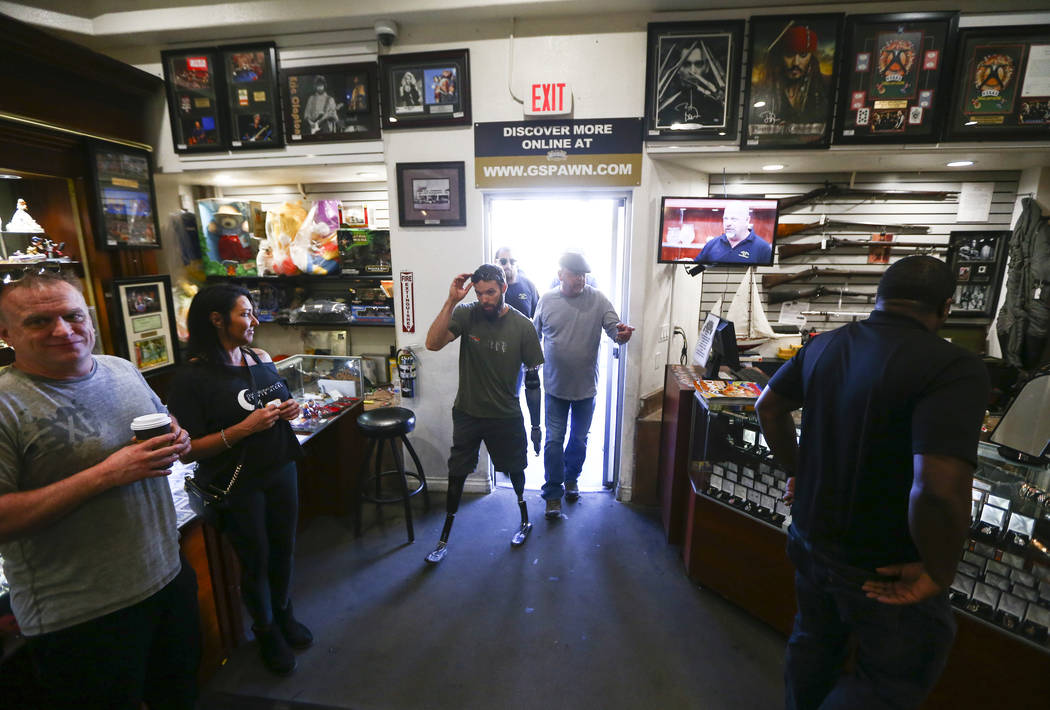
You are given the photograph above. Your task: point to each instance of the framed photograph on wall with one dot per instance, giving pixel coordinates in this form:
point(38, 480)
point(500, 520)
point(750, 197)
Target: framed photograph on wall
point(896, 77)
point(125, 208)
point(194, 85)
point(692, 80)
point(146, 321)
point(790, 81)
point(328, 104)
point(431, 195)
point(978, 259)
point(425, 89)
point(252, 108)
point(1002, 86)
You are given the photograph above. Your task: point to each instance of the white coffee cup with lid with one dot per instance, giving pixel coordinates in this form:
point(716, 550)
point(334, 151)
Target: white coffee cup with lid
point(148, 426)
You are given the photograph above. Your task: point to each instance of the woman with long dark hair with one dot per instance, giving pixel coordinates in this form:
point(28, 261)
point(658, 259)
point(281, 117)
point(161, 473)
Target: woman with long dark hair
point(236, 409)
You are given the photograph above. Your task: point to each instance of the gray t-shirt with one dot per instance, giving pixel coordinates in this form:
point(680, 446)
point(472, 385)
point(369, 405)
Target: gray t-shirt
point(491, 353)
point(571, 330)
point(116, 549)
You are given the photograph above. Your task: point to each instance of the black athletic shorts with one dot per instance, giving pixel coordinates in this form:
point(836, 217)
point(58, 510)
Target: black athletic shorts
point(504, 439)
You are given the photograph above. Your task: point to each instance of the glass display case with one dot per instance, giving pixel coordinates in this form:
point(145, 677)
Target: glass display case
point(1004, 574)
point(324, 386)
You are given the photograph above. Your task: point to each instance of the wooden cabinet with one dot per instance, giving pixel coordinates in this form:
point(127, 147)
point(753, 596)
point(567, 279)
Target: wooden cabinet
point(675, 440)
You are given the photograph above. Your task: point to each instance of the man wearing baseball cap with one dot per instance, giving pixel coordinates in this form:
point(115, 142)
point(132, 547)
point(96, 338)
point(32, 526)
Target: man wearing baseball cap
point(570, 321)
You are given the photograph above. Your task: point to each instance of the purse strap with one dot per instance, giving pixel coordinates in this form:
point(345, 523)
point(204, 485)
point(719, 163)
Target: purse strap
point(245, 352)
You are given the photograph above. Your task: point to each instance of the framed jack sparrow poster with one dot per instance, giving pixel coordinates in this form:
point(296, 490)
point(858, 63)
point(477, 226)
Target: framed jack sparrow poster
point(333, 103)
point(1002, 86)
point(692, 80)
point(252, 107)
point(195, 91)
point(896, 77)
point(425, 89)
point(790, 81)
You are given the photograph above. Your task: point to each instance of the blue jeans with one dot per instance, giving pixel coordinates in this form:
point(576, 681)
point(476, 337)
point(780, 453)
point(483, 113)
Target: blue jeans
point(564, 466)
point(900, 650)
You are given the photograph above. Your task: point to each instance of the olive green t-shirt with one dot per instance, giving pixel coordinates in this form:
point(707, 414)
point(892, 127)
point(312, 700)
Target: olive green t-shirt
point(491, 353)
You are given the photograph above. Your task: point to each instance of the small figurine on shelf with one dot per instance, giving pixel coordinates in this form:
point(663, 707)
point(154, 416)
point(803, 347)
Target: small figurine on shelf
point(21, 221)
point(47, 247)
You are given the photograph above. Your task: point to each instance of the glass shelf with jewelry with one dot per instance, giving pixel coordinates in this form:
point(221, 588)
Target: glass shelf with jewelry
point(1004, 574)
point(324, 386)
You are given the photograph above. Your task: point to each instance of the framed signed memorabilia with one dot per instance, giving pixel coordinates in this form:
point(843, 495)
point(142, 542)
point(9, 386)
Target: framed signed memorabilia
point(431, 195)
point(1002, 86)
point(790, 81)
point(896, 77)
point(146, 321)
point(125, 202)
point(252, 107)
point(692, 80)
point(195, 91)
point(425, 89)
point(978, 259)
point(334, 103)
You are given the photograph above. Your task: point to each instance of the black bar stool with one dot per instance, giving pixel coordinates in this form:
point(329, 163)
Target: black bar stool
point(389, 424)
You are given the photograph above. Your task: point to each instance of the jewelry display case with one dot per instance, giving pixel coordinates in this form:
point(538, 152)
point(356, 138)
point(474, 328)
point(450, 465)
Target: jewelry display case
point(324, 386)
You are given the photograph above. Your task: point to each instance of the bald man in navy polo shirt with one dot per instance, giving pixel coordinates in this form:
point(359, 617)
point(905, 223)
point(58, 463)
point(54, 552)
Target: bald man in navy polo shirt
point(738, 241)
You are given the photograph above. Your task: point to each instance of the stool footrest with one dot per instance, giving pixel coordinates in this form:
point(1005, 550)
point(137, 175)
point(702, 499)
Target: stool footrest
point(382, 501)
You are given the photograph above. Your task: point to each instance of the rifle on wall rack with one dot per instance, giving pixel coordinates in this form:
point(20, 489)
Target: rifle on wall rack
point(830, 190)
point(799, 294)
point(787, 251)
point(775, 279)
point(789, 229)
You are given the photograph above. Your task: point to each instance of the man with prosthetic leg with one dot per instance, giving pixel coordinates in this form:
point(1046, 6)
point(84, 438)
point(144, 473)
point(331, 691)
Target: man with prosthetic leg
point(497, 341)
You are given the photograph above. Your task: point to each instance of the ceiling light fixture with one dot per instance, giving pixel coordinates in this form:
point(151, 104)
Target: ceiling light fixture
point(759, 104)
point(9, 176)
point(772, 167)
point(959, 164)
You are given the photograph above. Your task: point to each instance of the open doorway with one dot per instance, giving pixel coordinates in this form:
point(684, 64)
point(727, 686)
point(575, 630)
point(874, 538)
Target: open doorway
point(538, 228)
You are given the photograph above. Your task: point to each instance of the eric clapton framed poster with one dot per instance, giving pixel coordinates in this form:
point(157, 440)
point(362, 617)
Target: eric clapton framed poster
point(895, 77)
point(332, 103)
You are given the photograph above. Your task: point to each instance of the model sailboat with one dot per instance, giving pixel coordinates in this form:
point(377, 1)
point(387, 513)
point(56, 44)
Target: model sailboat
point(749, 318)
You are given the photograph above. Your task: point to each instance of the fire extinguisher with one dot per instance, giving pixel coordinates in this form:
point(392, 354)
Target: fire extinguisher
point(406, 370)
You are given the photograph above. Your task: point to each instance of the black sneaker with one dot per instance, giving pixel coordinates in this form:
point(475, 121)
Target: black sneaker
point(276, 655)
point(295, 633)
point(572, 492)
point(521, 535)
point(437, 554)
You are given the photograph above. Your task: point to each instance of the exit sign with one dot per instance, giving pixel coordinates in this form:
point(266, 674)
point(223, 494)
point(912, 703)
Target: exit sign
point(549, 99)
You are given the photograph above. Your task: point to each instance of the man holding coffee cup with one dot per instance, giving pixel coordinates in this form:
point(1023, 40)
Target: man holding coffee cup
point(87, 525)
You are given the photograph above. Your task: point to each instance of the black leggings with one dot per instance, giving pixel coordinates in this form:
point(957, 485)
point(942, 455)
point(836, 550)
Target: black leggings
point(260, 525)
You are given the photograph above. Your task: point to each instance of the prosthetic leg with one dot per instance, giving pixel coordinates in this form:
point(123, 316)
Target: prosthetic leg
point(455, 493)
point(532, 399)
point(518, 481)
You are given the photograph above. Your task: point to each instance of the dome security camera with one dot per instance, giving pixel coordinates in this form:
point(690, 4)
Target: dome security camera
point(386, 32)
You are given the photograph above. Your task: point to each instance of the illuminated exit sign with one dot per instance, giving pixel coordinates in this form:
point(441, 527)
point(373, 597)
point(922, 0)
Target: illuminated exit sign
point(549, 99)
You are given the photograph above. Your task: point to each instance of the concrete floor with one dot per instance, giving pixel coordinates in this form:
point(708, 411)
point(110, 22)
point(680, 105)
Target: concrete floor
point(595, 611)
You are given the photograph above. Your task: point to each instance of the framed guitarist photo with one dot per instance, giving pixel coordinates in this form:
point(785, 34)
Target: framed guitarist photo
point(331, 103)
point(252, 107)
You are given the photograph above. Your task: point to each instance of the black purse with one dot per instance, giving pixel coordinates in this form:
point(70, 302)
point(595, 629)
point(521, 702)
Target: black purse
point(207, 500)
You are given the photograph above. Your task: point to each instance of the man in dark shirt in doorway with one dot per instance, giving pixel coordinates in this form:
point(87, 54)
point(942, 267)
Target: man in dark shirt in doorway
point(891, 415)
point(521, 293)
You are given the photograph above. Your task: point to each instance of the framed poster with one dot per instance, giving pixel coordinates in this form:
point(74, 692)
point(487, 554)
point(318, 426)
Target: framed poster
point(978, 259)
point(896, 77)
point(425, 89)
point(1002, 88)
point(252, 107)
point(790, 81)
point(146, 321)
point(692, 80)
point(431, 195)
point(328, 104)
point(194, 87)
point(125, 206)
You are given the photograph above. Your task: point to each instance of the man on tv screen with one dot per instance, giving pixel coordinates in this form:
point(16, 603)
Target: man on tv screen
point(738, 242)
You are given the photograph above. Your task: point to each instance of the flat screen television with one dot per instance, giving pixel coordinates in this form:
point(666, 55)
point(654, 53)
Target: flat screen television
point(735, 231)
